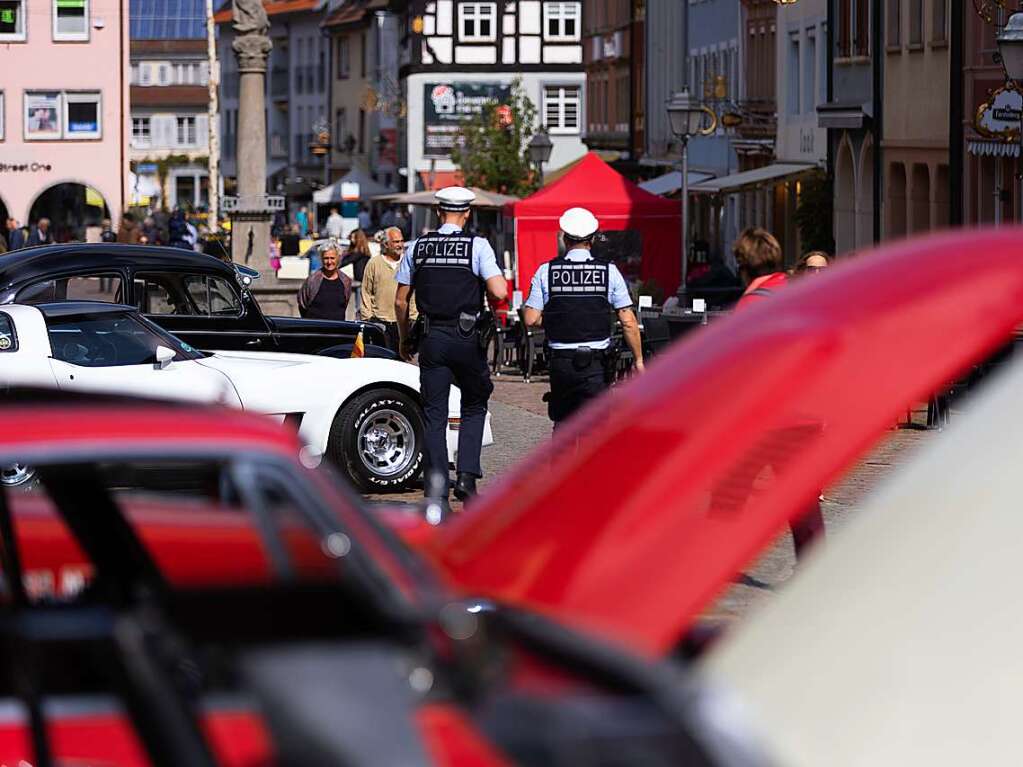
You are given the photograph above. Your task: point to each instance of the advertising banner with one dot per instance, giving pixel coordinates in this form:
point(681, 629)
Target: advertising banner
point(447, 105)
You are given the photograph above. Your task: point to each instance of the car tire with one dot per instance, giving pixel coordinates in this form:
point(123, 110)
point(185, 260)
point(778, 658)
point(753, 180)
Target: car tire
point(377, 440)
point(17, 475)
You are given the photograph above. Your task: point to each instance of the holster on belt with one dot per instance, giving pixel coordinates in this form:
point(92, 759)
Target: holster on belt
point(419, 329)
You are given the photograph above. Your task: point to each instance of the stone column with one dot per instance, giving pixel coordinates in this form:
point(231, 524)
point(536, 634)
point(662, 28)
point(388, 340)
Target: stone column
point(250, 225)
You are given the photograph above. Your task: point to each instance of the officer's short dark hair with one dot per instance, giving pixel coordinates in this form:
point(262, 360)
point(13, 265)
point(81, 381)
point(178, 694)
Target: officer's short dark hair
point(757, 252)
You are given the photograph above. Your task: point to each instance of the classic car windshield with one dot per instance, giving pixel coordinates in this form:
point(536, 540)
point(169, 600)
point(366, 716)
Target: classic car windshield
point(111, 339)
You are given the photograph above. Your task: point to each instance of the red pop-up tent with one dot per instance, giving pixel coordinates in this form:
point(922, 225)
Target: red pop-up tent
point(617, 203)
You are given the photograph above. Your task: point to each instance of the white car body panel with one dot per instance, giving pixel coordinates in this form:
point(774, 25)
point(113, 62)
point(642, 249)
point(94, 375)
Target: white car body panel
point(263, 382)
point(899, 642)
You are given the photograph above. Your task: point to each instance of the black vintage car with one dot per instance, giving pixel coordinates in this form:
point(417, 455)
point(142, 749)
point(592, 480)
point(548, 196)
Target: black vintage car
point(198, 298)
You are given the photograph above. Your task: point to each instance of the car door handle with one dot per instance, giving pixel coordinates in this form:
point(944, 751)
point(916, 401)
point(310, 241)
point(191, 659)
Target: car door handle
point(254, 342)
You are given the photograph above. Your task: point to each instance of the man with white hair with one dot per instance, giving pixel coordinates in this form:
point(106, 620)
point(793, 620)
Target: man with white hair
point(380, 284)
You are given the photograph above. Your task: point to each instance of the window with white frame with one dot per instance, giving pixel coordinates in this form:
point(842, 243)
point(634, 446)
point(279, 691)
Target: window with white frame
point(141, 131)
point(163, 74)
point(561, 21)
point(82, 115)
point(186, 131)
point(477, 22)
point(145, 74)
point(12, 20)
point(561, 106)
point(43, 116)
point(70, 19)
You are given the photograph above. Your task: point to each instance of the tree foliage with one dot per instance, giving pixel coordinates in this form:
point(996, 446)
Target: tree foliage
point(814, 214)
point(491, 150)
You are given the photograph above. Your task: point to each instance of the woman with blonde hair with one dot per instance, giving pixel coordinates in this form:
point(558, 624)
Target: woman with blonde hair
point(357, 257)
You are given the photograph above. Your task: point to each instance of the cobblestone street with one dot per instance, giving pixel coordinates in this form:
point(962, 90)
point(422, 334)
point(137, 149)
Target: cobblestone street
point(519, 418)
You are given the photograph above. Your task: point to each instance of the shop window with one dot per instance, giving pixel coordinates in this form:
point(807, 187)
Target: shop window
point(43, 116)
point(12, 20)
point(82, 115)
point(70, 19)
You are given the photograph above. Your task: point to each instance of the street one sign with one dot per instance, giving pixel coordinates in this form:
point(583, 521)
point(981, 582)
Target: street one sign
point(999, 116)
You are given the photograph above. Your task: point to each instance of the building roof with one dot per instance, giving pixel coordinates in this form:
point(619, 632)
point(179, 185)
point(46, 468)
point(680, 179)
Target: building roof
point(354, 12)
point(169, 95)
point(272, 7)
point(167, 19)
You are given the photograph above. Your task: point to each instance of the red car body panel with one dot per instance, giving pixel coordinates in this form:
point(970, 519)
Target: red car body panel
point(645, 507)
point(238, 739)
point(453, 741)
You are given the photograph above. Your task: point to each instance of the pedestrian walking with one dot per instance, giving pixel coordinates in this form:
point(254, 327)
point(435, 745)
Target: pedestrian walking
point(40, 234)
point(177, 229)
point(357, 257)
point(15, 235)
point(290, 241)
point(813, 262)
point(449, 270)
point(365, 219)
point(128, 232)
point(302, 219)
point(759, 256)
point(380, 285)
point(326, 292)
point(572, 297)
point(335, 224)
point(107, 233)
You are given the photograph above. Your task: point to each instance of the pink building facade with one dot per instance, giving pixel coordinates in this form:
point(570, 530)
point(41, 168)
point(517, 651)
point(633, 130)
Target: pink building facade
point(64, 112)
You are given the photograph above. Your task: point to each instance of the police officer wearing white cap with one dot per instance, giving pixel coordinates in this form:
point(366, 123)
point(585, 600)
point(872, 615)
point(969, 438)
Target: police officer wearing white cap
point(449, 270)
point(572, 298)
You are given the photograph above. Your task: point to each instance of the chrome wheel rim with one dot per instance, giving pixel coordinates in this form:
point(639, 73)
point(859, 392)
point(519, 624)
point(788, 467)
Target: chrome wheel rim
point(387, 443)
point(16, 474)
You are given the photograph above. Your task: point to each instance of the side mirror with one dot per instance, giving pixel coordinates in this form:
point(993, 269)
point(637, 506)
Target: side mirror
point(164, 356)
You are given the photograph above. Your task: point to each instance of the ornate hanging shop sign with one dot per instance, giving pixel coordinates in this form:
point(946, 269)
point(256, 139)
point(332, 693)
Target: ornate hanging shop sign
point(999, 116)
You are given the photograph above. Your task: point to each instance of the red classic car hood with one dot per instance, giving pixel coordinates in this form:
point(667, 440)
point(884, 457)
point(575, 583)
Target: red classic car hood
point(641, 511)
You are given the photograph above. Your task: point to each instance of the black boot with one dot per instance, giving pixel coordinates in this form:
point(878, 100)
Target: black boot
point(465, 486)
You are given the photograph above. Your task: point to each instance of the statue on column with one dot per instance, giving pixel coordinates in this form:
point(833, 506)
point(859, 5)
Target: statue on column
point(251, 26)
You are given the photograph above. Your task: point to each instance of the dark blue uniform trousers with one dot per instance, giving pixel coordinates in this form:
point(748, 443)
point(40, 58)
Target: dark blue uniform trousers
point(446, 357)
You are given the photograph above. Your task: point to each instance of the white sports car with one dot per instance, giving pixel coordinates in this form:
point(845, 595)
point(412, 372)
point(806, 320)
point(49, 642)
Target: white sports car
point(365, 414)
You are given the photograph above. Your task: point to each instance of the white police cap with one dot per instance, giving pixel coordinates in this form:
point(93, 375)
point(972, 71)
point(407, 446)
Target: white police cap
point(454, 198)
point(578, 223)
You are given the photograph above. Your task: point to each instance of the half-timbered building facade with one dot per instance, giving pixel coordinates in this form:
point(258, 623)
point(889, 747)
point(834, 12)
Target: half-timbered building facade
point(457, 54)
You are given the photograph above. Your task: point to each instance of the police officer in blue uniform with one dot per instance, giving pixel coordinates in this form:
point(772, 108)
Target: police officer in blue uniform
point(572, 298)
point(449, 270)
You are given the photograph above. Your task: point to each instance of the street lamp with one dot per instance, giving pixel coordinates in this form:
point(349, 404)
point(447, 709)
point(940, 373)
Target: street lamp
point(540, 148)
point(686, 117)
point(1010, 49)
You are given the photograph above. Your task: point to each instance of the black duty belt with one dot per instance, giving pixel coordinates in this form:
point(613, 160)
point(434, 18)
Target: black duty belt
point(447, 322)
point(558, 353)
